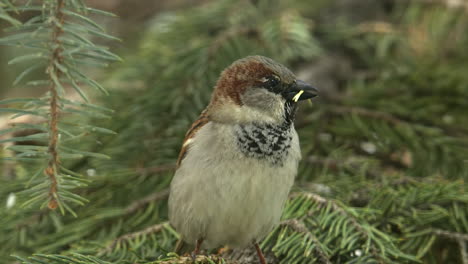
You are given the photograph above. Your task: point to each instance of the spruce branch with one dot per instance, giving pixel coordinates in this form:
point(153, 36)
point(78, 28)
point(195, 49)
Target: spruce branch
point(58, 48)
point(335, 165)
point(54, 74)
point(367, 234)
point(426, 97)
point(5, 16)
point(127, 237)
point(461, 240)
point(200, 259)
point(392, 118)
point(59, 259)
point(451, 235)
point(447, 3)
point(299, 227)
point(463, 250)
point(367, 113)
point(136, 205)
point(157, 169)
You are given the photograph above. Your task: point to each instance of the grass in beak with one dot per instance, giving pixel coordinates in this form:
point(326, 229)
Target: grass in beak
point(296, 97)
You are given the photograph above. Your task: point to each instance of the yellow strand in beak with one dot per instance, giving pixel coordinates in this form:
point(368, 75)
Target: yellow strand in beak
point(296, 97)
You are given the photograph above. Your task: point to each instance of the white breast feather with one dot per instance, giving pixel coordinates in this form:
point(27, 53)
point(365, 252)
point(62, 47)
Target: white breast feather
point(224, 197)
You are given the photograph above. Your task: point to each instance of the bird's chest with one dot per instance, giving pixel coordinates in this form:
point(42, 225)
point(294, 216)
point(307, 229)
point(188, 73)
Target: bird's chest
point(233, 182)
point(267, 142)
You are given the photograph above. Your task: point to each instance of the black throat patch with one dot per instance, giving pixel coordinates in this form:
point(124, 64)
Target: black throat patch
point(265, 141)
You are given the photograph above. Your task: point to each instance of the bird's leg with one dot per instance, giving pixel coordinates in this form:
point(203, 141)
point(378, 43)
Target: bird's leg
point(260, 254)
point(197, 248)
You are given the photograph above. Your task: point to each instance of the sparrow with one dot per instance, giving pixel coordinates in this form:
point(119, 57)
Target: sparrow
point(239, 159)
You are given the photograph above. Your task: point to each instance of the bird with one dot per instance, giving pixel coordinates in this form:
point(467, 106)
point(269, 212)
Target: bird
point(239, 158)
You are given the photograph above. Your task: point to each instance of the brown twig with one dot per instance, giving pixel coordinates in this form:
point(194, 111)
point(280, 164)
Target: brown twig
point(335, 165)
point(201, 259)
point(451, 235)
point(322, 201)
point(463, 252)
point(447, 3)
point(146, 200)
point(367, 113)
point(246, 255)
point(392, 119)
point(156, 196)
point(336, 207)
point(157, 169)
point(461, 239)
point(54, 73)
point(149, 230)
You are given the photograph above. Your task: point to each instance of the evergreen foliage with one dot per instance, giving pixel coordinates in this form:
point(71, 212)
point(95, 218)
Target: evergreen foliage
point(385, 150)
point(56, 42)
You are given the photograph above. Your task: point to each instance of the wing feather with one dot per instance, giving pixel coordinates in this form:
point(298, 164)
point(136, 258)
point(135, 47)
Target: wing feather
point(197, 125)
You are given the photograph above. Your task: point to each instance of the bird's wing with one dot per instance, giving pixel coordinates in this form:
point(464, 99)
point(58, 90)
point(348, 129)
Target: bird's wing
point(197, 125)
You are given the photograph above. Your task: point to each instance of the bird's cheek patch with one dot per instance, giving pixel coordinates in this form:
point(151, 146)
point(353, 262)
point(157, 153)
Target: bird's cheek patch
point(297, 96)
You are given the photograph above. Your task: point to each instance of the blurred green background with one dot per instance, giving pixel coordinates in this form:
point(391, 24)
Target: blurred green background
point(386, 141)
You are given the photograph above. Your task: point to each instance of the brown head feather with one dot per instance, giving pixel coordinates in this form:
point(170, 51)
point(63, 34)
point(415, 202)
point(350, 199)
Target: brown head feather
point(236, 78)
point(244, 73)
point(232, 83)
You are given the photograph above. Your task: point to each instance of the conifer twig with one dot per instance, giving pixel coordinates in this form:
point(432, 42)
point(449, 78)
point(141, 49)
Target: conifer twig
point(391, 118)
point(335, 165)
point(157, 169)
point(299, 227)
point(200, 259)
point(367, 113)
point(147, 199)
point(463, 253)
point(149, 230)
point(54, 73)
point(447, 3)
point(336, 207)
point(451, 235)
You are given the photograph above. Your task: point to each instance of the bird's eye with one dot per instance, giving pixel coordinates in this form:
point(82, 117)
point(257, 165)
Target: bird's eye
point(271, 82)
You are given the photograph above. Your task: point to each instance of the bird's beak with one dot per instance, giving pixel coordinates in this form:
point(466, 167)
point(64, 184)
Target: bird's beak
point(301, 90)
